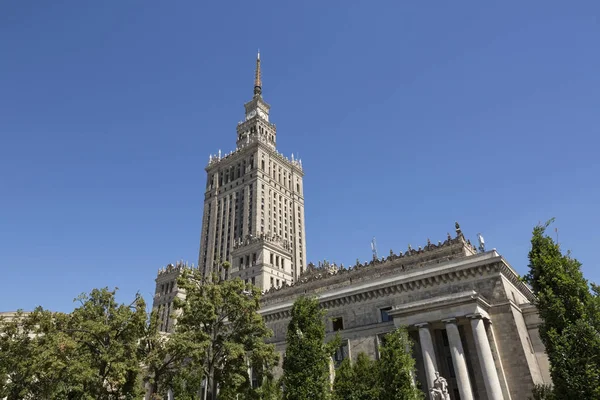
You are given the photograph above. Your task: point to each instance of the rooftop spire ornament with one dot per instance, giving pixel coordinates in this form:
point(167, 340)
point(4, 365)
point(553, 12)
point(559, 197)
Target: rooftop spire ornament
point(257, 78)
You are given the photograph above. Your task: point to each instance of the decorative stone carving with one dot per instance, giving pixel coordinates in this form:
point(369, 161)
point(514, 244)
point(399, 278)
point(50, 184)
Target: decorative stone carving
point(439, 391)
point(411, 259)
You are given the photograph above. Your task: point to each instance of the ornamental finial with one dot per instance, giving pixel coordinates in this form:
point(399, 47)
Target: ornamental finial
point(257, 77)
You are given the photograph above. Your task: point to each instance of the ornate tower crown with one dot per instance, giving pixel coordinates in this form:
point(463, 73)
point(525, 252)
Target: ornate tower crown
point(257, 107)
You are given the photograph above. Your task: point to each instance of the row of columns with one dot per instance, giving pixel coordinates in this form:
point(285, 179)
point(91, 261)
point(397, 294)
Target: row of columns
point(484, 354)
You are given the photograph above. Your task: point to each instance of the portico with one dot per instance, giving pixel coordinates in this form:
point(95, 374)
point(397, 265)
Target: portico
point(446, 317)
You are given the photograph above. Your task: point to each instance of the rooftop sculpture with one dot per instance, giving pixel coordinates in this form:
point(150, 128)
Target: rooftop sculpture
point(409, 259)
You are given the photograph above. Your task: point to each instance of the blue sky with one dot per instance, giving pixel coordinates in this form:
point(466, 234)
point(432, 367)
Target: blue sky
point(408, 116)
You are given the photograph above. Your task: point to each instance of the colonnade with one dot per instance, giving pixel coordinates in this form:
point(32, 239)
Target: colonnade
point(484, 355)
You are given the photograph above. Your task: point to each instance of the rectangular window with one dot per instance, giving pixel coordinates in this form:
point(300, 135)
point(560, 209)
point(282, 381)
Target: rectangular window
point(338, 324)
point(272, 282)
point(385, 317)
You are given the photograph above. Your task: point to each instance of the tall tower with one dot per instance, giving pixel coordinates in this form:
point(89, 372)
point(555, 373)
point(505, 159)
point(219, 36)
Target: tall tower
point(254, 205)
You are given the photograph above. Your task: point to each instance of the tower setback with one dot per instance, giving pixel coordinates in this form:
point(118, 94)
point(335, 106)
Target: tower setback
point(254, 205)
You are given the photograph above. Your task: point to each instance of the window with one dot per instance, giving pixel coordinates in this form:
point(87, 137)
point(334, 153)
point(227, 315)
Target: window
point(385, 317)
point(272, 282)
point(338, 324)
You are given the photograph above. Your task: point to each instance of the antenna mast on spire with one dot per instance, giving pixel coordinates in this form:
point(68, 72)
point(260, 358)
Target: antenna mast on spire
point(257, 77)
point(374, 248)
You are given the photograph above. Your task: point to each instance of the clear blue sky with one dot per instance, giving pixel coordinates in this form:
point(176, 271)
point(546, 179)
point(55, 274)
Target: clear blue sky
point(407, 115)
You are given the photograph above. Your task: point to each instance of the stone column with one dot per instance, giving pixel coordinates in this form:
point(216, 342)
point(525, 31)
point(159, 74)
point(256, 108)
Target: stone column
point(428, 353)
point(458, 360)
point(486, 359)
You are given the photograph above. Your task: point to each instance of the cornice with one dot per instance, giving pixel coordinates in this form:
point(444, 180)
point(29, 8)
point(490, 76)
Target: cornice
point(508, 272)
point(321, 278)
point(440, 302)
point(272, 151)
point(485, 264)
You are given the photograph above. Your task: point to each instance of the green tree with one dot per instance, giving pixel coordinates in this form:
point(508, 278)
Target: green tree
point(61, 372)
point(344, 385)
point(366, 372)
point(269, 390)
point(221, 326)
point(307, 357)
point(88, 354)
point(359, 381)
point(397, 368)
point(38, 360)
point(570, 328)
point(542, 392)
point(17, 373)
point(106, 337)
point(167, 362)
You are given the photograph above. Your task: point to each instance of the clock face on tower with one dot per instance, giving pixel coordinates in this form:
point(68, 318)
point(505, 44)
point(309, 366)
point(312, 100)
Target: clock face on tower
point(263, 115)
point(250, 114)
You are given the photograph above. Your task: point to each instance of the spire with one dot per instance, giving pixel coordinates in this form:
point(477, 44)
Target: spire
point(257, 80)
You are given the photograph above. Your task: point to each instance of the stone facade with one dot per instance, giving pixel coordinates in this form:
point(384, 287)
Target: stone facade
point(468, 313)
point(165, 293)
point(254, 205)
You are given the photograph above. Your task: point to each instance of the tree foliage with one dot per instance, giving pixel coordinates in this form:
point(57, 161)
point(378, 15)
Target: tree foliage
point(18, 356)
point(570, 328)
point(390, 377)
point(166, 362)
point(307, 357)
point(542, 392)
point(397, 368)
point(359, 381)
point(224, 333)
point(90, 353)
point(105, 350)
point(107, 335)
point(344, 385)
